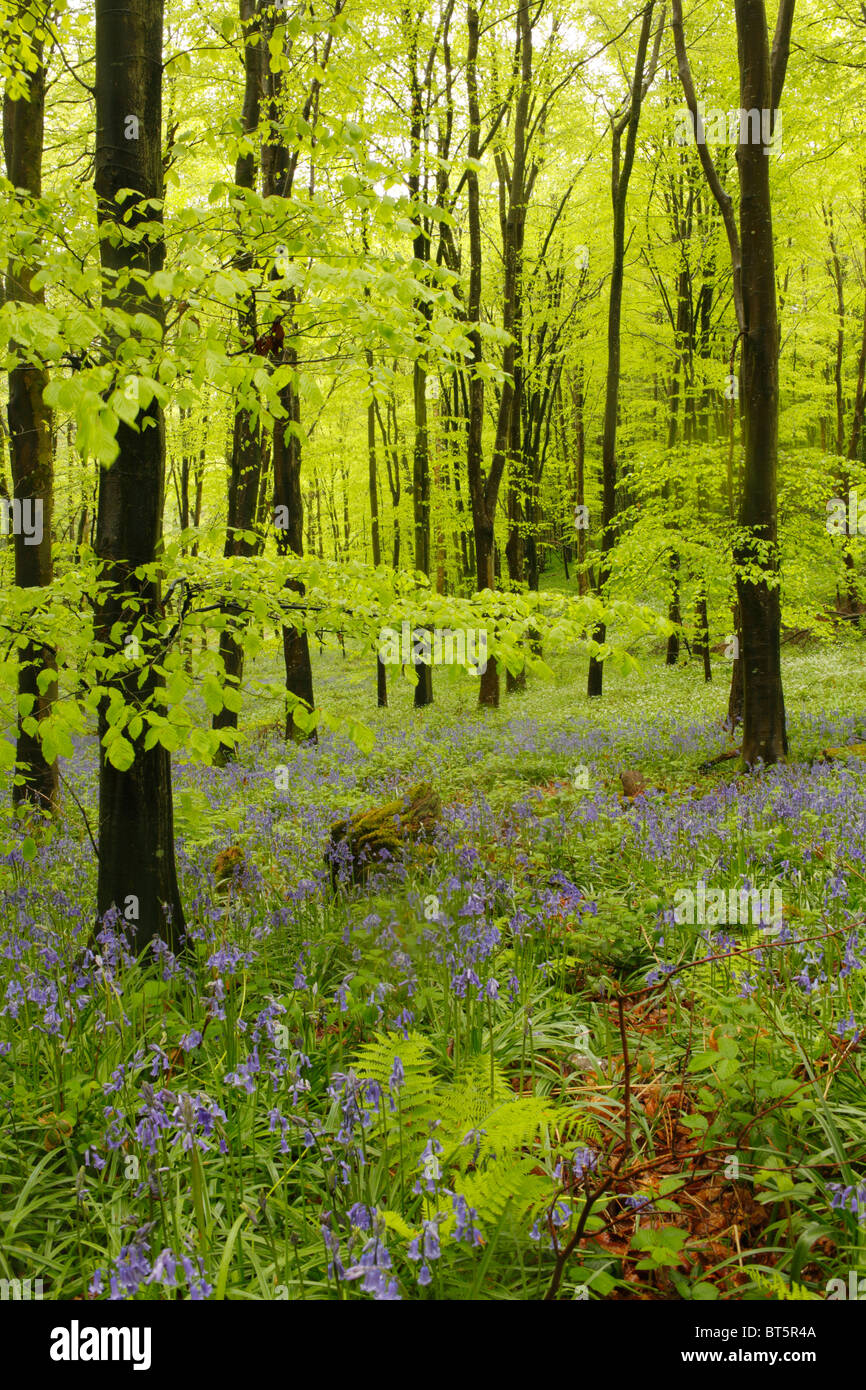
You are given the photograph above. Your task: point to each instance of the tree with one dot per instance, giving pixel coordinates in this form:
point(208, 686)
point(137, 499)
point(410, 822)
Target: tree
point(279, 169)
point(136, 821)
point(762, 78)
point(31, 450)
point(246, 455)
point(517, 173)
point(624, 123)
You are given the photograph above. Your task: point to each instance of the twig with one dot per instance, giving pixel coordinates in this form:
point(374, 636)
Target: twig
point(82, 810)
point(627, 1069)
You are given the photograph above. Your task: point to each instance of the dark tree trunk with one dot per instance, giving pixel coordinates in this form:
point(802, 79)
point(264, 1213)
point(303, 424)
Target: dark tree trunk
point(764, 734)
point(579, 398)
point(515, 550)
point(482, 514)
point(702, 634)
point(516, 181)
point(625, 124)
point(421, 449)
point(375, 541)
point(246, 456)
point(279, 167)
point(736, 698)
point(287, 494)
point(853, 453)
point(421, 505)
point(672, 655)
point(683, 335)
point(136, 825)
point(762, 79)
point(32, 457)
point(199, 483)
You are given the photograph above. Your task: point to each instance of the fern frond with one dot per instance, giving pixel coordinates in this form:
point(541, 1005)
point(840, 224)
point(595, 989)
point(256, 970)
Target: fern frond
point(508, 1182)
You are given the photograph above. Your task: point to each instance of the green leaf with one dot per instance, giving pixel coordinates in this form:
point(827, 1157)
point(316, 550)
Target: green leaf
point(121, 754)
point(212, 694)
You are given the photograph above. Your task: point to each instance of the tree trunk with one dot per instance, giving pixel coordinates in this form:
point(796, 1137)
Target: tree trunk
point(762, 79)
point(278, 168)
point(381, 669)
point(672, 654)
point(421, 506)
point(516, 184)
point(702, 634)
point(421, 450)
point(764, 734)
point(736, 694)
point(32, 458)
point(579, 481)
point(515, 550)
point(136, 824)
point(246, 457)
point(683, 333)
point(627, 125)
point(482, 515)
point(287, 494)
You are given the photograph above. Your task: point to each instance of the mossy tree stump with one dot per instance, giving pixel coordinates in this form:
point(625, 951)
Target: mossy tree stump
point(367, 838)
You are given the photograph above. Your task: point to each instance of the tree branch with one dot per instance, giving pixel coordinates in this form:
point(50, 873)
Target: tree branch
point(724, 199)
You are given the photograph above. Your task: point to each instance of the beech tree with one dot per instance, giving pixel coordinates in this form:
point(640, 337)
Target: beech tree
point(245, 471)
point(32, 453)
point(623, 124)
point(762, 79)
point(279, 168)
point(136, 873)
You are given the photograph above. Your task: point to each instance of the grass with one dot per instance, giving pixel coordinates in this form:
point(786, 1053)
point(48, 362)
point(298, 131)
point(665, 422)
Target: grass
point(497, 1069)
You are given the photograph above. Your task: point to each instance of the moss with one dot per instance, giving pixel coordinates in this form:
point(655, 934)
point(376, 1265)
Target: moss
point(385, 830)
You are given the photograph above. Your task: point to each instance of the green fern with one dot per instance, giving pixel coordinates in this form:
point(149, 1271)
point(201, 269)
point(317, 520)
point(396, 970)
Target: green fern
point(466, 1103)
point(493, 1141)
point(504, 1182)
point(778, 1289)
point(417, 1095)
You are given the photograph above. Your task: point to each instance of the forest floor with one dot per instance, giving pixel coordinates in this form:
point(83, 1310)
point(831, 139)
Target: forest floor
point(499, 1066)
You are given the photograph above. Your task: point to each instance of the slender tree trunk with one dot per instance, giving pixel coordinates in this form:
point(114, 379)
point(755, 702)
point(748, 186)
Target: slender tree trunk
point(421, 450)
point(764, 734)
point(421, 505)
point(672, 654)
point(702, 634)
point(762, 79)
point(32, 457)
point(136, 823)
point(843, 478)
point(482, 514)
point(515, 550)
point(279, 167)
point(579, 398)
point(246, 455)
point(853, 452)
point(516, 184)
point(682, 334)
point(627, 125)
point(736, 697)
point(373, 482)
point(199, 483)
point(287, 495)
